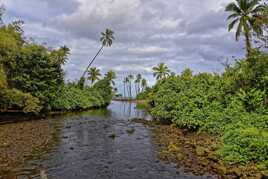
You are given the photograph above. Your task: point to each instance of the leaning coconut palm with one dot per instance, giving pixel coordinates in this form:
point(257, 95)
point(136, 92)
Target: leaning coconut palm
point(93, 75)
point(161, 71)
point(110, 75)
point(244, 14)
point(106, 39)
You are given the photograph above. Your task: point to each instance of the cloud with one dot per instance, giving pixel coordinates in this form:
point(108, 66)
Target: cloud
point(183, 34)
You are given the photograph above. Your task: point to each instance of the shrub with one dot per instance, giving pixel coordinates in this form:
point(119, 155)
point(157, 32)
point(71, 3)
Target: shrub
point(73, 98)
point(244, 145)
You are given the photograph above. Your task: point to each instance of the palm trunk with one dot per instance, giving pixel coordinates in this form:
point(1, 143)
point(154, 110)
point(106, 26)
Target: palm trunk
point(248, 43)
point(124, 90)
point(130, 90)
point(136, 88)
point(127, 90)
point(92, 61)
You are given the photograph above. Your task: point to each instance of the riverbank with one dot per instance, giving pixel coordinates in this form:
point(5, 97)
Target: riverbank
point(197, 152)
point(20, 142)
point(98, 144)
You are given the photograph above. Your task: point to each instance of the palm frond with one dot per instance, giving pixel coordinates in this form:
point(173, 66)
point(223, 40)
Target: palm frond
point(238, 31)
point(233, 8)
point(234, 15)
point(231, 25)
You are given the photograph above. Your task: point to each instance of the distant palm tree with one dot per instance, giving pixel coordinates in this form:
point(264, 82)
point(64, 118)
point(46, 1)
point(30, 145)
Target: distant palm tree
point(137, 83)
point(143, 84)
point(244, 14)
point(139, 78)
point(130, 77)
point(125, 81)
point(127, 86)
point(161, 71)
point(93, 75)
point(106, 39)
point(111, 76)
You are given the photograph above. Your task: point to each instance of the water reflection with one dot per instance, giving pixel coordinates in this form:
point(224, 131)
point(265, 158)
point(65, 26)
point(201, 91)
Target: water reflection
point(96, 144)
point(127, 110)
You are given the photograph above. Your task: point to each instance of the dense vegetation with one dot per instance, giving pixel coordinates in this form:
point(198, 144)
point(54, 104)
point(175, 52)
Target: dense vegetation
point(233, 105)
point(32, 78)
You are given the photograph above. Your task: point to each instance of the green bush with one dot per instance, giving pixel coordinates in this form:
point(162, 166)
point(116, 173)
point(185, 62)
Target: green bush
point(104, 89)
point(15, 99)
point(73, 98)
point(233, 105)
point(244, 145)
point(187, 101)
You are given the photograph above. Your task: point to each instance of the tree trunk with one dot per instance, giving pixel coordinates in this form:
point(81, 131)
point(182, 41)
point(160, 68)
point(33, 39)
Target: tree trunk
point(136, 88)
point(124, 90)
point(248, 43)
point(92, 61)
point(130, 90)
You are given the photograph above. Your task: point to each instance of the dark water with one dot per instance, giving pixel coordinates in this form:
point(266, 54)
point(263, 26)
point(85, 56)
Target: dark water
point(104, 144)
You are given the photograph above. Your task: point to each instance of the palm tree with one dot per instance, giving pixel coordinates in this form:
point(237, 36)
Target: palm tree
point(110, 75)
point(138, 79)
point(130, 77)
point(143, 84)
point(136, 85)
point(244, 14)
point(94, 74)
point(127, 87)
point(125, 81)
point(161, 71)
point(106, 39)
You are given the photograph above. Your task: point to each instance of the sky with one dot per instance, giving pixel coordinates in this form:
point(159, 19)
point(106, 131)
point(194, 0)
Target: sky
point(181, 33)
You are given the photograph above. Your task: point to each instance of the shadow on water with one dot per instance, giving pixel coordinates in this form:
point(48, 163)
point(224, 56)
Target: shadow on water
point(96, 144)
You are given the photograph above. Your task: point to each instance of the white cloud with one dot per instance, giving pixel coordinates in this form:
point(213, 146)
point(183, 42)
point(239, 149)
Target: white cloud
point(181, 33)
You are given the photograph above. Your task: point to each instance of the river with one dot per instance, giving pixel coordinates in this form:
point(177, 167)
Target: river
point(98, 144)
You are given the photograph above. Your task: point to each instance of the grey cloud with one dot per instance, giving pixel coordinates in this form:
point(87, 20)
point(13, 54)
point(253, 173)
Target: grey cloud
point(183, 34)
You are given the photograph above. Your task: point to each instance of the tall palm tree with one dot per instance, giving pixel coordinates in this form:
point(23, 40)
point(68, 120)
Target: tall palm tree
point(111, 76)
point(138, 79)
point(106, 39)
point(136, 85)
point(143, 84)
point(94, 74)
point(161, 71)
point(130, 77)
point(244, 14)
point(125, 81)
point(127, 85)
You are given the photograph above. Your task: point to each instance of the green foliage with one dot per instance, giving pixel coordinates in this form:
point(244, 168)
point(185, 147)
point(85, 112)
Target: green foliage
point(103, 87)
point(245, 144)
point(232, 105)
point(145, 94)
point(73, 98)
point(93, 75)
point(186, 100)
point(32, 78)
point(3, 83)
point(15, 99)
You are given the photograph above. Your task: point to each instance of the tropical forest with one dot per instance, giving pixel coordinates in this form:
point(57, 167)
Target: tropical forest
point(133, 89)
